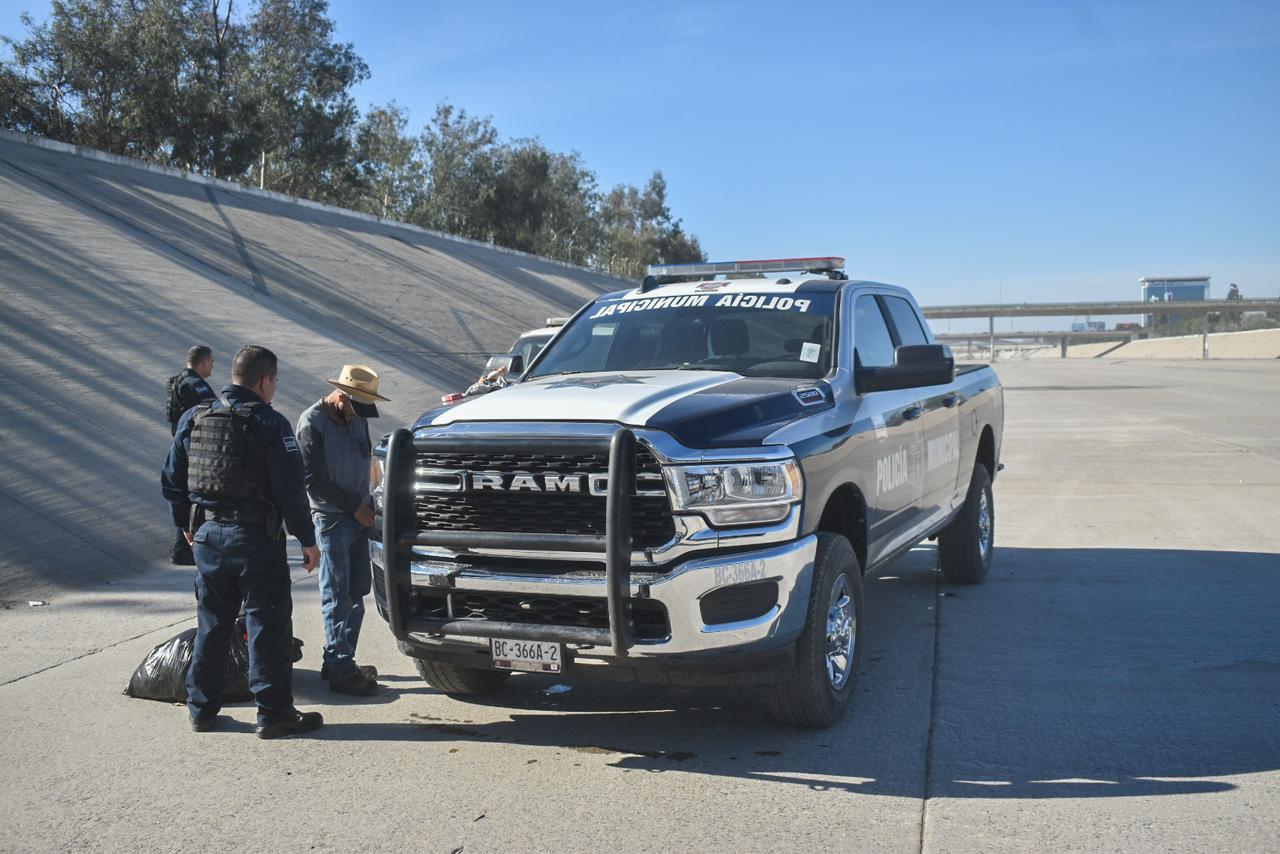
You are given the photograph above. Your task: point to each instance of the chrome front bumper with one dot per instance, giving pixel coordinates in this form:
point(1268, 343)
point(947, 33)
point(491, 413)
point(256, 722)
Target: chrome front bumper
point(681, 590)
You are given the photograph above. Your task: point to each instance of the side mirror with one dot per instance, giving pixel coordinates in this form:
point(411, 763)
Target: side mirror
point(513, 362)
point(914, 365)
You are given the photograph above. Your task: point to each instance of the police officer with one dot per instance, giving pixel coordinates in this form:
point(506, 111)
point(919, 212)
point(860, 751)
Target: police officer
point(233, 475)
point(186, 390)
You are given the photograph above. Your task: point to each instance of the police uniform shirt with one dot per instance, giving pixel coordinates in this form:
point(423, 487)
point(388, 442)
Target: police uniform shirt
point(285, 471)
point(192, 390)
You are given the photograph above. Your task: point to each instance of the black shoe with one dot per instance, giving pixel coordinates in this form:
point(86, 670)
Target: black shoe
point(369, 671)
point(300, 723)
point(206, 724)
point(357, 685)
point(182, 557)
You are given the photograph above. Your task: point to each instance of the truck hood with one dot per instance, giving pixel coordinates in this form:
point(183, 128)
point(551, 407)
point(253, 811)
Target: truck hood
point(701, 409)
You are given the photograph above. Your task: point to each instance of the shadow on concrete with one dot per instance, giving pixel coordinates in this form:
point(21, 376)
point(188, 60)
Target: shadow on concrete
point(1069, 673)
point(310, 690)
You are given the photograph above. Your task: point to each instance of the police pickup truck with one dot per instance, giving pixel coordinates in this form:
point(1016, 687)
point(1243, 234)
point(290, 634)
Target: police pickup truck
point(687, 486)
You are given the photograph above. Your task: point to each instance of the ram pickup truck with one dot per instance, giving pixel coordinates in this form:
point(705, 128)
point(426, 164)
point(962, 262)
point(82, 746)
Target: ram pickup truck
point(687, 487)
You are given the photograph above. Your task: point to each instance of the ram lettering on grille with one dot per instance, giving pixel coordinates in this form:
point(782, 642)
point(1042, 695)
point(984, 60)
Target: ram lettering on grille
point(461, 480)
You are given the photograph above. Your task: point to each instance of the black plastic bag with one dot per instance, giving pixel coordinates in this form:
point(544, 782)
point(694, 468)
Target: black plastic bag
point(162, 675)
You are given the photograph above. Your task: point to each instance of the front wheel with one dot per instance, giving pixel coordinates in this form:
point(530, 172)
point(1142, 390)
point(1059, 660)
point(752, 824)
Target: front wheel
point(966, 544)
point(462, 681)
point(819, 691)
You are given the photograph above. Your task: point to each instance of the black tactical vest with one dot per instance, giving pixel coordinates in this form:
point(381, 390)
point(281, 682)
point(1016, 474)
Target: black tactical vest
point(173, 407)
point(225, 459)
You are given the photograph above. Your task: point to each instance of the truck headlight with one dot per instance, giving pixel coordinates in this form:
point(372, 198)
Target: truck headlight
point(737, 493)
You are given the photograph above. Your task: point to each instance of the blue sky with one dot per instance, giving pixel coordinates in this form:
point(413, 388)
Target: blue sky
point(1027, 151)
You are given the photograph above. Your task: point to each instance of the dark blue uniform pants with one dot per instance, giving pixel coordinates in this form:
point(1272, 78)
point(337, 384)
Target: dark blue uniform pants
point(240, 563)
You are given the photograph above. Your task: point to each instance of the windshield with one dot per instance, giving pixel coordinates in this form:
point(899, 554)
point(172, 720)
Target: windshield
point(753, 334)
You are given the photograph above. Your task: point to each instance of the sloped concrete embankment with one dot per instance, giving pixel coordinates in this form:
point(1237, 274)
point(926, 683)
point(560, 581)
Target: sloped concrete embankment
point(111, 272)
point(1255, 344)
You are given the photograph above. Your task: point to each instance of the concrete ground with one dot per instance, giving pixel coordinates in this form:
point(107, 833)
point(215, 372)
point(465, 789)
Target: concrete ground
point(1114, 685)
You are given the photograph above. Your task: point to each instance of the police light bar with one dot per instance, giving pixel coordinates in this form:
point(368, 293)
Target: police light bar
point(774, 265)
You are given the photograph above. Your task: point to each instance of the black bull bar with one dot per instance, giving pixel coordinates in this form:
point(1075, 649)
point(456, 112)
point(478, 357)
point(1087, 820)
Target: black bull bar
point(398, 541)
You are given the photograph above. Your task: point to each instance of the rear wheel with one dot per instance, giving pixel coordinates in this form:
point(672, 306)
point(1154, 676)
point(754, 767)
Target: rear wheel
point(819, 691)
point(965, 546)
point(460, 680)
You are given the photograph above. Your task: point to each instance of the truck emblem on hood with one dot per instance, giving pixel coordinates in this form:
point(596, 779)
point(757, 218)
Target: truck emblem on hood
point(597, 382)
point(810, 396)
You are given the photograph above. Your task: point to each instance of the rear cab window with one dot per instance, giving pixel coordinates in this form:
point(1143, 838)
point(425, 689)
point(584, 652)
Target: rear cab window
point(905, 321)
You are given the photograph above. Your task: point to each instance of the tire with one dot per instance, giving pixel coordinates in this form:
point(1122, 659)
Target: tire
point(819, 691)
point(966, 545)
point(460, 680)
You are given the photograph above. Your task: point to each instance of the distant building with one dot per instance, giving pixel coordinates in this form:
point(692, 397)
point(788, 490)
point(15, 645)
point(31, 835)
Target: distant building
point(1173, 289)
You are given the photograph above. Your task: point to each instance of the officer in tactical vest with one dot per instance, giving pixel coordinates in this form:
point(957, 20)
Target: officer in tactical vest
point(184, 391)
point(189, 388)
point(234, 477)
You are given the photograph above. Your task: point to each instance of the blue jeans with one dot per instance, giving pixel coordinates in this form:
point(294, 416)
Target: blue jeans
point(236, 563)
point(345, 580)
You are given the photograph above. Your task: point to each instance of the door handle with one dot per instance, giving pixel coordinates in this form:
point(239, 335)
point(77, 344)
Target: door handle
point(951, 401)
point(912, 413)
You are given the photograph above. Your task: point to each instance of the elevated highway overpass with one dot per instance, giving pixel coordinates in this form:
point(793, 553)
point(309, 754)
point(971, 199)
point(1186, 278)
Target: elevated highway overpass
point(1202, 308)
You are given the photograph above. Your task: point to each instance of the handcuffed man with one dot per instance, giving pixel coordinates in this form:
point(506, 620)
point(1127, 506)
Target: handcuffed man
point(334, 436)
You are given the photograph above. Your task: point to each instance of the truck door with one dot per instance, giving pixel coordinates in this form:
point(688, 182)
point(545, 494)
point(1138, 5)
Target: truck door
point(894, 487)
point(939, 421)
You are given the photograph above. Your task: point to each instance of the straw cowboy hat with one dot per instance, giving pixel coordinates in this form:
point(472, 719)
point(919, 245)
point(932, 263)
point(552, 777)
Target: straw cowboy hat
point(360, 383)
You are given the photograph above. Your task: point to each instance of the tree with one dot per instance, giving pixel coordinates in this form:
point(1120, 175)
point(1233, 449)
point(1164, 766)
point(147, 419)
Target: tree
point(638, 230)
point(301, 79)
point(461, 154)
point(76, 65)
point(160, 39)
point(155, 79)
point(389, 164)
point(521, 194)
point(217, 129)
point(21, 106)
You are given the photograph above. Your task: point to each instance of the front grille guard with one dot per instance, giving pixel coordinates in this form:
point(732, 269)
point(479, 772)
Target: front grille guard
point(398, 542)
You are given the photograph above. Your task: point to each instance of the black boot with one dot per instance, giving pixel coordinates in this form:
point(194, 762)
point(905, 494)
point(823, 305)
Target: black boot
point(368, 670)
point(356, 685)
point(300, 723)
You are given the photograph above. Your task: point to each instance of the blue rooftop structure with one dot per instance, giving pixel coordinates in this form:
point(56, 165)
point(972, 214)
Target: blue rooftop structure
point(1173, 289)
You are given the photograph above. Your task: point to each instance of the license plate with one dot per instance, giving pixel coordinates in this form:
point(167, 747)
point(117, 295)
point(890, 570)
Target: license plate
point(534, 656)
